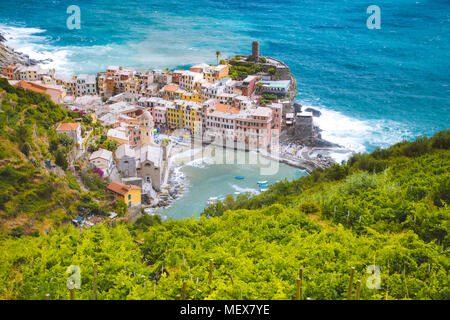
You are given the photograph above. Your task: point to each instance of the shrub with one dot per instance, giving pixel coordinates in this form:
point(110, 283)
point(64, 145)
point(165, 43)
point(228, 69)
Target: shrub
point(309, 207)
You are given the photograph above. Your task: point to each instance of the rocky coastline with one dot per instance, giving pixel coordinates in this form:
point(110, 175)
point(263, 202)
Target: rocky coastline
point(9, 56)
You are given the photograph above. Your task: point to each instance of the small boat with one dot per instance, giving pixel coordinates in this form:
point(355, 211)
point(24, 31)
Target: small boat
point(239, 177)
point(263, 190)
point(237, 193)
point(212, 198)
point(262, 182)
point(210, 202)
point(264, 185)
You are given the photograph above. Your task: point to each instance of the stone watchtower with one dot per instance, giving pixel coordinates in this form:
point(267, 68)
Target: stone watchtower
point(146, 126)
point(255, 50)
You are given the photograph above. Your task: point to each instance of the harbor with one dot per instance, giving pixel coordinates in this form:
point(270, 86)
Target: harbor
point(203, 181)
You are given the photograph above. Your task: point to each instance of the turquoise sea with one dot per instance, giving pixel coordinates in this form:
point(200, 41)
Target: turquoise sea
point(374, 87)
point(211, 178)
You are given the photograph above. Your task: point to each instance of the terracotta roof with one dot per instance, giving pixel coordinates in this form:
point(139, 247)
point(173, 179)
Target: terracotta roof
point(31, 86)
point(55, 94)
point(71, 126)
point(121, 188)
point(225, 108)
point(171, 88)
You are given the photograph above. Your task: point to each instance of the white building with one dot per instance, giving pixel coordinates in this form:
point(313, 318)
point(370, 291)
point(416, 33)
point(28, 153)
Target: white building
point(86, 85)
point(102, 159)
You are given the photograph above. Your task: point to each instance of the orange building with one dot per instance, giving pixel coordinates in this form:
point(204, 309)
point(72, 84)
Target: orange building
point(9, 72)
point(129, 194)
point(55, 94)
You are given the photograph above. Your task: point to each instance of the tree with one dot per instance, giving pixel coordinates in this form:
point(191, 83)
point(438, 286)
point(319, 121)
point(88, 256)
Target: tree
point(60, 160)
point(65, 140)
point(25, 148)
point(120, 208)
point(111, 145)
point(23, 132)
point(229, 201)
point(218, 53)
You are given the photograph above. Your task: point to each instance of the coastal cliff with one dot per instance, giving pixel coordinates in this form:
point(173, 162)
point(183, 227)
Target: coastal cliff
point(9, 56)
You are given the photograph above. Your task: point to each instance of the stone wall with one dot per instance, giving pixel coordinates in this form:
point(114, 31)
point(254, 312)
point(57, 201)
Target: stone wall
point(303, 127)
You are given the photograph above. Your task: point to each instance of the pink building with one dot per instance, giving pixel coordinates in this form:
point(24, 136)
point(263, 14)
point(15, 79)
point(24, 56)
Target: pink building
point(247, 86)
point(221, 122)
point(159, 116)
point(134, 135)
point(253, 127)
point(277, 112)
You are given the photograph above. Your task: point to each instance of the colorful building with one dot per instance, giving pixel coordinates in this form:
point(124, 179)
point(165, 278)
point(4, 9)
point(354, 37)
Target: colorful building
point(72, 129)
point(10, 72)
point(102, 159)
point(247, 86)
point(130, 194)
point(56, 95)
point(214, 73)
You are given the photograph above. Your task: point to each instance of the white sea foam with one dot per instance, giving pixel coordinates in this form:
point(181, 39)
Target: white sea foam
point(200, 162)
point(33, 42)
point(243, 190)
point(354, 134)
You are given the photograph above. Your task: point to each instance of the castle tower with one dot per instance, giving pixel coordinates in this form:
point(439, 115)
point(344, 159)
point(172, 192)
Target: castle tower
point(146, 126)
point(255, 50)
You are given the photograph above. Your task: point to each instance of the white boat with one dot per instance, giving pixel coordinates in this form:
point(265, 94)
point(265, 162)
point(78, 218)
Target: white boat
point(237, 192)
point(263, 190)
point(262, 182)
point(212, 198)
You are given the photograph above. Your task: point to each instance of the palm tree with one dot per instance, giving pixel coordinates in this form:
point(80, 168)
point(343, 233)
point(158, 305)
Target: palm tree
point(218, 53)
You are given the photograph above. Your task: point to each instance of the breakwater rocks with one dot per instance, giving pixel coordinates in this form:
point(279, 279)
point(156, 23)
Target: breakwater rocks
point(9, 56)
point(173, 191)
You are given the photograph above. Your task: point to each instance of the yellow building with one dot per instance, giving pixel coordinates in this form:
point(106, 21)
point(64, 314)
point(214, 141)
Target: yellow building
point(184, 115)
point(192, 118)
point(172, 92)
point(174, 117)
point(191, 96)
point(132, 86)
point(129, 194)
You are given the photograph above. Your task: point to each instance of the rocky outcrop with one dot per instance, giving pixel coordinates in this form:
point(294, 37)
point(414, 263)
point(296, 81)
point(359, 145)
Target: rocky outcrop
point(315, 113)
point(9, 56)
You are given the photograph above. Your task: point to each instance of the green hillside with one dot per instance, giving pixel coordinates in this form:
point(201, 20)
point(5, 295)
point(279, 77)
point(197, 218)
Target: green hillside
point(33, 197)
point(388, 208)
